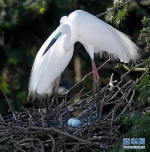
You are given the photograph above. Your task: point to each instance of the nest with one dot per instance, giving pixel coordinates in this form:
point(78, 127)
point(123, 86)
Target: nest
point(39, 130)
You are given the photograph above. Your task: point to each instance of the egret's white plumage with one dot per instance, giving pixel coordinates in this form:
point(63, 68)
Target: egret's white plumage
point(96, 36)
point(45, 68)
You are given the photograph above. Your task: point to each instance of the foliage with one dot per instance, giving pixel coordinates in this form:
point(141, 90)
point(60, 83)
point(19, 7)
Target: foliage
point(137, 122)
point(144, 86)
point(145, 33)
point(127, 121)
point(144, 89)
point(22, 33)
point(9, 146)
point(140, 129)
point(117, 16)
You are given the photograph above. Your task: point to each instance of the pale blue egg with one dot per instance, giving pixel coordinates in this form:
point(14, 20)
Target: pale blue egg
point(70, 122)
point(76, 123)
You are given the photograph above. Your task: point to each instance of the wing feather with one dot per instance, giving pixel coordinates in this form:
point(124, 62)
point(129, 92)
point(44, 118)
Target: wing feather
point(103, 37)
point(48, 67)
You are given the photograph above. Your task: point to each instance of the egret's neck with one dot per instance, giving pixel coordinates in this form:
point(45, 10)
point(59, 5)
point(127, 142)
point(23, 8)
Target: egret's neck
point(68, 40)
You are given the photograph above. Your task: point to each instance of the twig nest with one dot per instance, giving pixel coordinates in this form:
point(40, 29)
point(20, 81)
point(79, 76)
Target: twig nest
point(73, 122)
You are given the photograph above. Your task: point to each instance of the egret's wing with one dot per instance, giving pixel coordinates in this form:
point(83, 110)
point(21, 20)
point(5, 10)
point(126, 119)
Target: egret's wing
point(104, 37)
point(39, 59)
point(48, 67)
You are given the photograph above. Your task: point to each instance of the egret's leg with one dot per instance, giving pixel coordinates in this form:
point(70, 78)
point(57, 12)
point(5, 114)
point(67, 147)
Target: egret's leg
point(47, 108)
point(95, 72)
point(56, 98)
point(98, 98)
point(60, 118)
point(92, 104)
point(96, 84)
point(96, 77)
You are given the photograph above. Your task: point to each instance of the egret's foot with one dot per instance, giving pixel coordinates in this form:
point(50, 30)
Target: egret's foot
point(93, 119)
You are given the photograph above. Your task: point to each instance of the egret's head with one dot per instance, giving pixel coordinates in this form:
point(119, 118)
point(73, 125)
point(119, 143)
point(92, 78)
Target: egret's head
point(61, 29)
point(63, 20)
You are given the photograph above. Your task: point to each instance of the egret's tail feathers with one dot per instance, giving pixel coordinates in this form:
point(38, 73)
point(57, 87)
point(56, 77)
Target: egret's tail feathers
point(132, 51)
point(35, 95)
point(117, 45)
point(127, 50)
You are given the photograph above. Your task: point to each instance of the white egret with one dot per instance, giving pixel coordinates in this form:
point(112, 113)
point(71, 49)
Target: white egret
point(96, 36)
point(47, 68)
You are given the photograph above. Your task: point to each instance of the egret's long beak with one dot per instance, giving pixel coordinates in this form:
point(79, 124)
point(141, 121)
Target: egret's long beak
point(51, 43)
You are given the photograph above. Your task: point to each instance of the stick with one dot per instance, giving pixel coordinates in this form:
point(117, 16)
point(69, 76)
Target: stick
point(99, 15)
point(9, 105)
point(86, 77)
